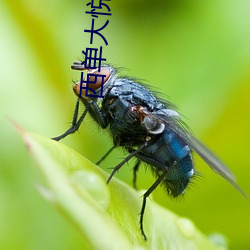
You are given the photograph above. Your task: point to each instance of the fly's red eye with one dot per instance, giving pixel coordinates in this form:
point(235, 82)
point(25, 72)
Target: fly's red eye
point(95, 78)
point(92, 75)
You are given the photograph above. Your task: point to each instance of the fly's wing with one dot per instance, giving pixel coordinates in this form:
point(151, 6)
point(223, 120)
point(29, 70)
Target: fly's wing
point(212, 160)
point(175, 124)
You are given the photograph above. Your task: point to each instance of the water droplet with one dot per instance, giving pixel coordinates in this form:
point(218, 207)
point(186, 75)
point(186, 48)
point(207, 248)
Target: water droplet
point(94, 185)
point(187, 227)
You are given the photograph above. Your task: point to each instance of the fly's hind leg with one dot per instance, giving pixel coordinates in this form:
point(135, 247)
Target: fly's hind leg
point(145, 196)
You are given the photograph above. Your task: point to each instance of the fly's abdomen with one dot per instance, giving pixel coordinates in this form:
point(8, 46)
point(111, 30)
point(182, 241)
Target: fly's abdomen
point(180, 166)
point(168, 154)
point(178, 176)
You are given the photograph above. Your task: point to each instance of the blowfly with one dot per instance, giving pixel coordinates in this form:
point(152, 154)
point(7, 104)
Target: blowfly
point(148, 127)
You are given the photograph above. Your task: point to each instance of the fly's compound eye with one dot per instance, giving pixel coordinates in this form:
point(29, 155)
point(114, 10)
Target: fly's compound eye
point(94, 78)
point(152, 125)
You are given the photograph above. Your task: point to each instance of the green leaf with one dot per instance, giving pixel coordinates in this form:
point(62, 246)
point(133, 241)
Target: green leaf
point(107, 215)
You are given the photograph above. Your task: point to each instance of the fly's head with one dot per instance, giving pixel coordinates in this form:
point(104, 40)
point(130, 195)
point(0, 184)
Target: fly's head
point(95, 82)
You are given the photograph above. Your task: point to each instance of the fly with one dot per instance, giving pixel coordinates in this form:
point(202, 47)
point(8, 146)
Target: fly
point(149, 128)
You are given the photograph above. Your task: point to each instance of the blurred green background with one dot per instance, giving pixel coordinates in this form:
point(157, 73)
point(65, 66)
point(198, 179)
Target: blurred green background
point(195, 52)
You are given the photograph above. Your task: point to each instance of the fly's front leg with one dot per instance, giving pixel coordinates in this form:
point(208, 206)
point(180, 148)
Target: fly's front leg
point(75, 124)
point(95, 112)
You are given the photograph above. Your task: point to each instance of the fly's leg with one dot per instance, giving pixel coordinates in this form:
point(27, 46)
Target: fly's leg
point(97, 114)
point(75, 124)
point(136, 167)
point(91, 107)
point(125, 160)
point(145, 196)
point(105, 155)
